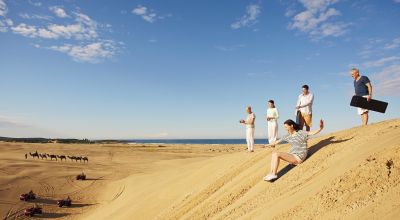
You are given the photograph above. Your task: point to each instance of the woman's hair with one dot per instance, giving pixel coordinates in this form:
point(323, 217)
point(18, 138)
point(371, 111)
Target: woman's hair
point(272, 102)
point(290, 122)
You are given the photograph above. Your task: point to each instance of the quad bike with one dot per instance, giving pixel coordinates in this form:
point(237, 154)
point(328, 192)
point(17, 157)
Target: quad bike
point(33, 211)
point(64, 202)
point(81, 177)
point(27, 196)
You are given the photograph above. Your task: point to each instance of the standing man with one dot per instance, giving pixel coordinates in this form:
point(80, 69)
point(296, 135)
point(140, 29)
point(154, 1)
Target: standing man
point(249, 122)
point(362, 87)
point(304, 105)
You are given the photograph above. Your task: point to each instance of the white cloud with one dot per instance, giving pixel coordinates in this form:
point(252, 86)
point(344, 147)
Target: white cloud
point(381, 62)
point(317, 5)
point(3, 8)
point(394, 44)
point(39, 17)
point(3, 27)
point(230, 48)
point(306, 20)
point(5, 24)
point(25, 30)
point(290, 12)
point(58, 11)
point(373, 48)
point(396, 1)
point(140, 10)
point(147, 14)
point(81, 38)
point(315, 20)
point(37, 4)
point(250, 18)
point(84, 28)
point(91, 53)
point(329, 29)
point(388, 81)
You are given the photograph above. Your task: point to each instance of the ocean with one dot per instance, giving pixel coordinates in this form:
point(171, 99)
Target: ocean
point(196, 141)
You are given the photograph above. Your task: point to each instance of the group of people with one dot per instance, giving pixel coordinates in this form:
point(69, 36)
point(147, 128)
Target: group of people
point(296, 136)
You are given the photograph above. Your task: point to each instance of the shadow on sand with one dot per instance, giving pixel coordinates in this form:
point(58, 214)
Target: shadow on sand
point(311, 151)
point(80, 205)
point(53, 215)
point(43, 201)
point(100, 178)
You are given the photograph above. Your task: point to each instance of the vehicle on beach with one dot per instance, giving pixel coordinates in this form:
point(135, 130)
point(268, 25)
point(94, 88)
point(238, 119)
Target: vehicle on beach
point(27, 196)
point(33, 211)
point(81, 176)
point(64, 202)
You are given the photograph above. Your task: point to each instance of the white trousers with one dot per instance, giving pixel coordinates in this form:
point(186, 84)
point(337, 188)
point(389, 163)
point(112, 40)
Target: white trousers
point(272, 131)
point(250, 139)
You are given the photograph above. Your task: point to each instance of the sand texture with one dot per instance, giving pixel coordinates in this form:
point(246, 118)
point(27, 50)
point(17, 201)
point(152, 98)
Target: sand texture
point(351, 174)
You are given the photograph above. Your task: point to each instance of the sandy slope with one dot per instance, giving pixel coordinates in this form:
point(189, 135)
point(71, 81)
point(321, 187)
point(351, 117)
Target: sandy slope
point(346, 177)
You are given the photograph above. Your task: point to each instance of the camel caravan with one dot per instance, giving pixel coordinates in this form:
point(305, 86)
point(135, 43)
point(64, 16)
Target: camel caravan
point(56, 157)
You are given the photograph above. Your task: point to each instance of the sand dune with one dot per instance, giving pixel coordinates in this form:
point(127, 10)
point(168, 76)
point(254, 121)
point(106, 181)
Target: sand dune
point(347, 176)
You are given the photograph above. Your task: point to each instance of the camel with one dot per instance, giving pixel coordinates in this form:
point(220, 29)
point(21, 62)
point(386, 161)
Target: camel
point(43, 156)
point(85, 159)
point(78, 158)
point(52, 156)
point(62, 157)
point(34, 154)
point(71, 158)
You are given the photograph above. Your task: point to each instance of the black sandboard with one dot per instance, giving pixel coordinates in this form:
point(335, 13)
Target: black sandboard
point(373, 105)
point(298, 115)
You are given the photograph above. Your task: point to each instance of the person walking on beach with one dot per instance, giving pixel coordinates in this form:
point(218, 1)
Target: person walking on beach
point(298, 152)
point(272, 121)
point(362, 87)
point(304, 108)
point(249, 122)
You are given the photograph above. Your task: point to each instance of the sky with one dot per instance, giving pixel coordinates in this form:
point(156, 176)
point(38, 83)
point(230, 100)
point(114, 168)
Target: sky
point(187, 69)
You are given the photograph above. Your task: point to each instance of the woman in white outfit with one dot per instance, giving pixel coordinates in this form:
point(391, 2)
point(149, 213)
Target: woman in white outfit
point(249, 122)
point(272, 121)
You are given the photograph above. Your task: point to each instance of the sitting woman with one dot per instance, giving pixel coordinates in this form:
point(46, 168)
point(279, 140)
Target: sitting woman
point(298, 152)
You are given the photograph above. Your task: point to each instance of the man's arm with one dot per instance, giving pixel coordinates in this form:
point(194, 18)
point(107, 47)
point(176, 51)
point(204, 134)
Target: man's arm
point(369, 86)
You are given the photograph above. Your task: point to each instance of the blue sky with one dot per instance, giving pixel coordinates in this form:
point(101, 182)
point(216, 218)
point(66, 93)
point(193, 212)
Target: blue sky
point(187, 69)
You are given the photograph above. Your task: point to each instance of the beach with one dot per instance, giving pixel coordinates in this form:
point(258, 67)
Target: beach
point(350, 174)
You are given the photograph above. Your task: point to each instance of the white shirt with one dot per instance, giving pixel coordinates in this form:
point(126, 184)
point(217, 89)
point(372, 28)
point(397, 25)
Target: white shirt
point(250, 118)
point(305, 102)
point(272, 113)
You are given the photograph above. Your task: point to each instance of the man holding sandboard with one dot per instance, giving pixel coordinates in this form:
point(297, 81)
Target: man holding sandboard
point(363, 88)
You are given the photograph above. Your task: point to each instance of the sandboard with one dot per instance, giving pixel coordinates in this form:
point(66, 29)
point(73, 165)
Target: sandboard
point(373, 105)
point(298, 115)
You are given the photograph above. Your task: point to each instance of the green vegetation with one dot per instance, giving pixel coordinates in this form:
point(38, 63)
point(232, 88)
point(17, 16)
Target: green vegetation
point(47, 140)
